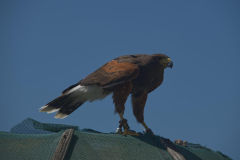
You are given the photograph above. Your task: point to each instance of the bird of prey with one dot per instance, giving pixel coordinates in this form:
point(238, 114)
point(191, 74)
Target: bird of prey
point(137, 75)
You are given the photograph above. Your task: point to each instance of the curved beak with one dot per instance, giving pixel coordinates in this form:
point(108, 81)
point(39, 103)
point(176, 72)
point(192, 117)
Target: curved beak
point(167, 62)
point(170, 63)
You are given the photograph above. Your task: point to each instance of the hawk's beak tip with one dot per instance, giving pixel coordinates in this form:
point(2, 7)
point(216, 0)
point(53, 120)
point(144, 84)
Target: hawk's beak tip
point(170, 64)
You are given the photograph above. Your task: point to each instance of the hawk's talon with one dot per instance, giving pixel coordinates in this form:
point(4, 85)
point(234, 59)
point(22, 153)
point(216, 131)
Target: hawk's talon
point(124, 124)
point(130, 132)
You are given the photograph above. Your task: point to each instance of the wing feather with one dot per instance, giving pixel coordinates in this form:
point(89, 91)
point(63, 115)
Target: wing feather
point(111, 74)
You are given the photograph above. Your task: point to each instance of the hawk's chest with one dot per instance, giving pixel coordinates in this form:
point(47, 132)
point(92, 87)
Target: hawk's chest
point(149, 78)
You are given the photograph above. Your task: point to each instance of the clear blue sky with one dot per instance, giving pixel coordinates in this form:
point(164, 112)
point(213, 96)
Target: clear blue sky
point(47, 46)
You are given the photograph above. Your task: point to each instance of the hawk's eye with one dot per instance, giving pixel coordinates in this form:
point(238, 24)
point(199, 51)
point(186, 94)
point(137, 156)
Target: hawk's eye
point(158, 58)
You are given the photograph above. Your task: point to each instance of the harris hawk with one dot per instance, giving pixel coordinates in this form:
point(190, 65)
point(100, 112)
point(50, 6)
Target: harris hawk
point(137, 75)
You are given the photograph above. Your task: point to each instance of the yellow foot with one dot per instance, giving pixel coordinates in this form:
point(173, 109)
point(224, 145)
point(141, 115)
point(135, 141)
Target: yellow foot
point(129, 132)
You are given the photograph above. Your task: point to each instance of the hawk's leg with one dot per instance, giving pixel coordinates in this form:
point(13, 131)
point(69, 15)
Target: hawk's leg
point(138, 104)
point(120, 94)
point(124, 124)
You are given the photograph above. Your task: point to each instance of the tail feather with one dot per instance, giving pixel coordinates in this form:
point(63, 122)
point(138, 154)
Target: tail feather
point(54, 105)
point(66, 110)
point(48, 109)
point(64, 104)
point(72, 98)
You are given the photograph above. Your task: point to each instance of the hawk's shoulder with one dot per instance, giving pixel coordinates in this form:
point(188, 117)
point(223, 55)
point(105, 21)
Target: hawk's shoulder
point(113, 73)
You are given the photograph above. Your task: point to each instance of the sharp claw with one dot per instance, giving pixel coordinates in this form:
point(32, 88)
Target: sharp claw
point(130, 132)
point(124, 124)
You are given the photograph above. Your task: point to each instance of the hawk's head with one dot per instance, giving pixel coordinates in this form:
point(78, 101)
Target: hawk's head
point(163, 60)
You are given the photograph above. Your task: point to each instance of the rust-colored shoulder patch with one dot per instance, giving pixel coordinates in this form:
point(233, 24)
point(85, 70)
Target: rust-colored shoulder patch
point(112, 73)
